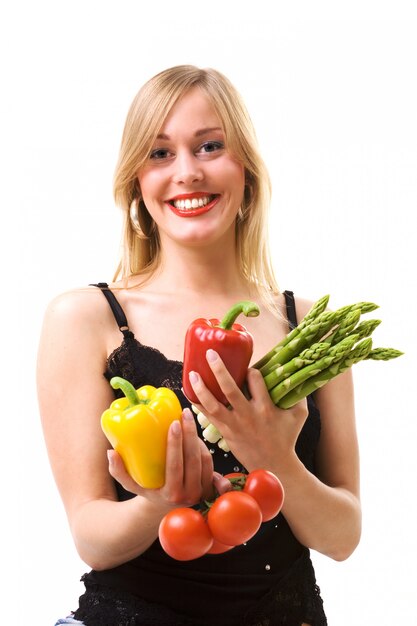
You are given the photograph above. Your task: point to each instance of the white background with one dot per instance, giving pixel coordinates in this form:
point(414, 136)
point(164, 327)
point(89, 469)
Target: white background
point(331, 88)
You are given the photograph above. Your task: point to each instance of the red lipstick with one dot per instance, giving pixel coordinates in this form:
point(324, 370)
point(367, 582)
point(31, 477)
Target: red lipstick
point(193, 212)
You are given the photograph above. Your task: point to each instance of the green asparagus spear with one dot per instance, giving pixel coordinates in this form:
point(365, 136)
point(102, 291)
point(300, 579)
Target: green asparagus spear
point(271, 364)
point(384, 354)
point(336, 353)
point(306, 357)
point(366, 328)
point(364, 307)
point(315, 351)
point(317, 308)
point(346, 326)
point(320, 325)
point(358, 353)
point(311, 333)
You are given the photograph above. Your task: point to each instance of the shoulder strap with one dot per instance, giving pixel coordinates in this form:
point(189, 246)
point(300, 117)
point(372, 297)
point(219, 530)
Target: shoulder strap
point(291, 312)
point(115, 307)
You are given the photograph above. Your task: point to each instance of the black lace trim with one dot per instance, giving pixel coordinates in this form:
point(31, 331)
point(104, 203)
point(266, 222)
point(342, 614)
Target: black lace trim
point(296, 599)
point(104, 606)
point(139, 364)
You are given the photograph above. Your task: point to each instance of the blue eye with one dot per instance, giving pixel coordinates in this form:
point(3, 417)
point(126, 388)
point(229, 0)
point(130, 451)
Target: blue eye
point(211, 146)
point(159, 153)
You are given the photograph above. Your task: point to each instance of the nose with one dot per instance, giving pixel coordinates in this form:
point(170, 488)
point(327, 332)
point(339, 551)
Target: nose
point(187, 168)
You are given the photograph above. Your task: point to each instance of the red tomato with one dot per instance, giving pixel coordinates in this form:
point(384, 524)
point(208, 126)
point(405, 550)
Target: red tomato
point(234, 518)
point(267, 490)
point(219, 548)
point(184, 534)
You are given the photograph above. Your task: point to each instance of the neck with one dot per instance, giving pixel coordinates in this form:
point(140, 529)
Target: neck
point(189, 271)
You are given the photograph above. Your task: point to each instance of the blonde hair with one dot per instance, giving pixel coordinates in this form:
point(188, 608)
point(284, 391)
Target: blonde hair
point(145, 118)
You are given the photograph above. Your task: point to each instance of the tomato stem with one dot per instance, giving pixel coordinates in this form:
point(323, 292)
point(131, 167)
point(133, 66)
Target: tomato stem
point(238, 482)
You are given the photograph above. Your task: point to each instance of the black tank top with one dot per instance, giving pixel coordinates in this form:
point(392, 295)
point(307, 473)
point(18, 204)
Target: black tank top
point(215, 589)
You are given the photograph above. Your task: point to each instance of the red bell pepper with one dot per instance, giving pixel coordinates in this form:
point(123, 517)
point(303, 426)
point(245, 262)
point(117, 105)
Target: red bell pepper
point(232, 341)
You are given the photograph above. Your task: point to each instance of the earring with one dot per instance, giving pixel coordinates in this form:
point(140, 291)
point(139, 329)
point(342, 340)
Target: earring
point(134, 218)
point(241, 216)
point(244, 208)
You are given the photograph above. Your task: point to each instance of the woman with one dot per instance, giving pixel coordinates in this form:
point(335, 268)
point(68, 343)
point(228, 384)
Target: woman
point(195, 193)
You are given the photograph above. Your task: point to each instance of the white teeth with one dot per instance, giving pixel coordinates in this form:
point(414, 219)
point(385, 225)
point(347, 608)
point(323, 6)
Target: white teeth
point(192, 203)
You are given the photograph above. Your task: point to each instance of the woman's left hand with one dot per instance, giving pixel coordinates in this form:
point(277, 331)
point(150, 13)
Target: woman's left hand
point(257, 432)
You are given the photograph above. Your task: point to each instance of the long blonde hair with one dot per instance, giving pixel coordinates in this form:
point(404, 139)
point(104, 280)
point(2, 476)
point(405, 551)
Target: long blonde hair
point(145, 118)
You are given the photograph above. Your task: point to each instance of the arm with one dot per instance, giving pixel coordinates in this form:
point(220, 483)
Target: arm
point(333, 498)
point(324, 512)
point(73, 393)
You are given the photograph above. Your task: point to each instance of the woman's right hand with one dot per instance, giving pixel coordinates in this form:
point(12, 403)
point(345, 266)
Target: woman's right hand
point(189, 475)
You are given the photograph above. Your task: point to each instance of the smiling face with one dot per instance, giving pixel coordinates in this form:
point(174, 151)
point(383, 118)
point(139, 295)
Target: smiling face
point(191, 185)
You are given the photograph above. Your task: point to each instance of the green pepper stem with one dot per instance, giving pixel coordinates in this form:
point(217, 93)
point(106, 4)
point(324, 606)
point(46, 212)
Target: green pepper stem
point(250, 309)
point(128, 389)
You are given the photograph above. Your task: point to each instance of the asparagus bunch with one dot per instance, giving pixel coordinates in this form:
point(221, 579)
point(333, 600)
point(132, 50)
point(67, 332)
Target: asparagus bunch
point(322, 346)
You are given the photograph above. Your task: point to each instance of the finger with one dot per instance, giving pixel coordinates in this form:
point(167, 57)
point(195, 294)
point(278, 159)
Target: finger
point(300, 410)
point(216, 415)
point(174, 469)
point(221, 484)
point(192, 457)
point(225, 380)
point(256, 383)
point(118, 471)
point(208, 403)
point(206, 471)
point(185, 395)
point(262, 400)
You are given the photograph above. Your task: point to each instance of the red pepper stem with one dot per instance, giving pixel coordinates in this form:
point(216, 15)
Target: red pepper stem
point(128, 389)
point(250, 309)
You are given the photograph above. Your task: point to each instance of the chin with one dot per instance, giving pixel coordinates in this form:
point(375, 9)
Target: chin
point(206, 238)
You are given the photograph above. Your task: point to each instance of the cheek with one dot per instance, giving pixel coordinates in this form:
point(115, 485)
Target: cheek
point(233, 174)
point(149, 183)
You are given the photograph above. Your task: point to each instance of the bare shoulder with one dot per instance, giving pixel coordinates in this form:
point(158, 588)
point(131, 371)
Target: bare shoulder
point(81, 305)
point(79, 310)
point(78, 320)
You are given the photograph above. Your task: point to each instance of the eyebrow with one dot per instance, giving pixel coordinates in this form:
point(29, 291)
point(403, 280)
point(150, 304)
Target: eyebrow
point(198, 133)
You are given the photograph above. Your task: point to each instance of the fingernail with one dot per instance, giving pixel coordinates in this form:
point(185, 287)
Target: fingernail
point(176, 427)
point(110, 457)
point(211, 356)
point(193, 376)
point(187, 415)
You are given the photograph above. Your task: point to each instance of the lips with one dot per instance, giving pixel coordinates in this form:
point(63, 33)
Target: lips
point(192, 204)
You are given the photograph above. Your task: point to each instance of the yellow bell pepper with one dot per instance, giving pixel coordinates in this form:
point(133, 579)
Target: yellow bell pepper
point(137, 428)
